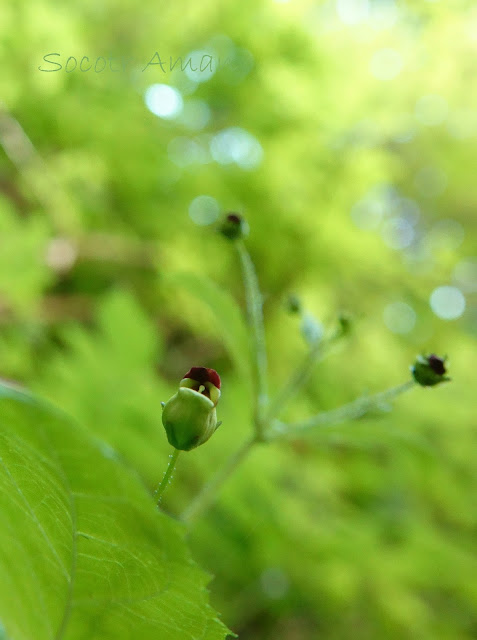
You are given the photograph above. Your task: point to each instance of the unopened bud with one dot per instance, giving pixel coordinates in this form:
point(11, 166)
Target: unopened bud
point(234, 226)
point(429, 370)
point(189, 417)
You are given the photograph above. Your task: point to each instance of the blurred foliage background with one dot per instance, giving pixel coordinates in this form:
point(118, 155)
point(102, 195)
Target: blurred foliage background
point(345, 131)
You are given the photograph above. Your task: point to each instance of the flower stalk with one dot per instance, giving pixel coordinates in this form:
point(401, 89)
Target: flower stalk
point(351, 411)
point(255, 314)
point(167, 476)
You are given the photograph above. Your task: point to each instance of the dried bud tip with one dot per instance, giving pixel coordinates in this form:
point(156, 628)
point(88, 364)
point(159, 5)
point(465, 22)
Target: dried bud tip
point(429, 370)
point(234, 226)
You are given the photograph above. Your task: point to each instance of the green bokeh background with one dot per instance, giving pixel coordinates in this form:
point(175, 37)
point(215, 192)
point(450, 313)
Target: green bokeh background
point(364, 196)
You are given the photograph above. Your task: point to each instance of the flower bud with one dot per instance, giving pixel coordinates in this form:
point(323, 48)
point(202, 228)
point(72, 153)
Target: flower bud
point(234, 226)
point(189, 417)
point(429, 370)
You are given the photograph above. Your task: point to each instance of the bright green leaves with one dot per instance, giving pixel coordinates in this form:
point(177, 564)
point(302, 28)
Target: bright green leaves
point(83, 551)
point(105, 379)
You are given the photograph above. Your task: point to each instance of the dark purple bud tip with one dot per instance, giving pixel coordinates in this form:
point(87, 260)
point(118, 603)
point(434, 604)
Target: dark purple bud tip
point(234, 226)
point(429, 370)
point(203, 375)
point(437, 364)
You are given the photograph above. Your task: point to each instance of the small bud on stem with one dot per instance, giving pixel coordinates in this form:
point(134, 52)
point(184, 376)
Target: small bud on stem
point(189, 417)
point(429, 370)
point(234, 227)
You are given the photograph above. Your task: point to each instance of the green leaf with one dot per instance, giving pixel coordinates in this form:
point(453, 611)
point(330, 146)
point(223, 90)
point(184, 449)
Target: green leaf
point(104, 376)
point(226, 313)
point(84, 551)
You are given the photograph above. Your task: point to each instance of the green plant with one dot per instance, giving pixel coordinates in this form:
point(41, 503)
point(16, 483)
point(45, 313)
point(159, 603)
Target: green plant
point(90, 556)
point(267, 426)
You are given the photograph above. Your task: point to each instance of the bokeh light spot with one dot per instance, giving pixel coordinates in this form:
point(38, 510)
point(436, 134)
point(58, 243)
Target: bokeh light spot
point(367, 214)
point(352, 11)
point(204, 210)
point(447, 302)
point(399, 317)
point(202, 65)
point(398, 233)
point(163, 101)
point(384, 14)
point(235, 145)
point(462, 123)
point(431, 110)
point(195, 114)
point(465, 275)
point(386, 64)
point(185, 151)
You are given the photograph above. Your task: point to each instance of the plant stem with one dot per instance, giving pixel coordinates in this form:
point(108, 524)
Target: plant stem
point(210, 490)
point(300, 376)
point(350, 411)
point(255, 314)
point(167, 475)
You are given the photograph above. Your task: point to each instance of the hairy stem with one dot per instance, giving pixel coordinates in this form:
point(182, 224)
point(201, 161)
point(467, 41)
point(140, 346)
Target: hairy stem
point(211, 489)
point(255, 315)
point(167, 475)
point(351, 411)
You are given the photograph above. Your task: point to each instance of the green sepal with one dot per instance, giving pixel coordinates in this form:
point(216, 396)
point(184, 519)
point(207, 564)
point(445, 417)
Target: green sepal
point(189, 419)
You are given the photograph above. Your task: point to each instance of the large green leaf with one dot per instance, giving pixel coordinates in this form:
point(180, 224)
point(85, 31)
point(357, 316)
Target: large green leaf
point(84, 553)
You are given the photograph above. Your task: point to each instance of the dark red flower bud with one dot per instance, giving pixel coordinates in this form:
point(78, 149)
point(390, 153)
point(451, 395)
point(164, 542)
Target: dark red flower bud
point(189, 417)
point(203, 375)
point(234, 226)
point(429, 370)
point(436, 364)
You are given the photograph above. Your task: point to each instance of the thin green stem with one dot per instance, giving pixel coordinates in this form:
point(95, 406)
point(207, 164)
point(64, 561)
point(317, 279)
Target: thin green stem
point(255, 315)
point(350, 411)
point(167, 475)
point(300, 376)
point(211, 489)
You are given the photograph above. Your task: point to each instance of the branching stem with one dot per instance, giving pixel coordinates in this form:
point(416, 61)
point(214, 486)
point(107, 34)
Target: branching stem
point(350, 411)
point(300, 376)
